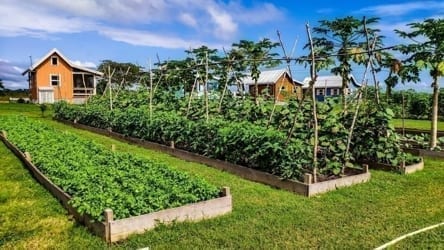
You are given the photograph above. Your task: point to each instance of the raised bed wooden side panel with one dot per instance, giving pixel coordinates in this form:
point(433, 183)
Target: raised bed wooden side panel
point(111, 230)
point(424, 152)
point(121, 229)
point(325, 186)
point(413, 168)
point(418, 131)
point(305, 189)
point(408, 169)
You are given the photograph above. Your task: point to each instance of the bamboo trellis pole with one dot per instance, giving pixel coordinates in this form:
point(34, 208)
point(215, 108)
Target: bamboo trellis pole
point(313, 99)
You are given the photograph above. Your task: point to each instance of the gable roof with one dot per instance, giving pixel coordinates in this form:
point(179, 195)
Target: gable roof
point(268, 77)
point(331, 81)
point(72, 65)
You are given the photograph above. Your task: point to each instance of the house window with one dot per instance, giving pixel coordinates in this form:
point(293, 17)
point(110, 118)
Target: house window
point(55, 80)
point(320, 92)
point(54, 60)
point(335, 91)
point(283, 89)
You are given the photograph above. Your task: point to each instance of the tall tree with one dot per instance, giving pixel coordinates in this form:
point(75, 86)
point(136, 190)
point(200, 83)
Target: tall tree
point(345, 39)
point(177, 74)
point(2, 87)
point(125, 74)
point(256, 55)
point(236, 62)
point(206, 60)
point(425, 52)
point(200, 56)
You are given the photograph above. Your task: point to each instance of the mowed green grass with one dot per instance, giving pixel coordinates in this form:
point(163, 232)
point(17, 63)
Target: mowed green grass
point(417, 124)
point(363, 216)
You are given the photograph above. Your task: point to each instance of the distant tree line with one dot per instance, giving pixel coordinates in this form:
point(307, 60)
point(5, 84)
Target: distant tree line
point(411, 104)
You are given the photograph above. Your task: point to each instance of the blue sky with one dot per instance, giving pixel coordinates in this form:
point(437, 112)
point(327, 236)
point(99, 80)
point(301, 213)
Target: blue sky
point(89, 31)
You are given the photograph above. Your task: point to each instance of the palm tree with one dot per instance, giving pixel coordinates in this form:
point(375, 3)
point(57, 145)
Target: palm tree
point(345, 39)
point(425, 53)
point(257, 55)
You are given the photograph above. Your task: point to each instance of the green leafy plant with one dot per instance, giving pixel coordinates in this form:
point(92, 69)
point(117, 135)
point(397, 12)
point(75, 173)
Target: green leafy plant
point(43, 108)
point(98, 178)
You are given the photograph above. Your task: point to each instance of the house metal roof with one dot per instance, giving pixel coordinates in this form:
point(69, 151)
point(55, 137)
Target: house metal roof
point(331, 81)
point(267, 77)
point(71, 64)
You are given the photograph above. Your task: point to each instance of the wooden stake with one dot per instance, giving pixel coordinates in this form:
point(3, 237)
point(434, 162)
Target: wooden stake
point(84, 89)
point(109, 215)
point(28, 156)
point(207, 116)
point(370, 52)
point(355, 116)
point(151, 90)
point(226, 82)
point(403, 113)
point(191, 95)
point(313, 100)
point(122, 82)
point(109, 86)
point(308, 178)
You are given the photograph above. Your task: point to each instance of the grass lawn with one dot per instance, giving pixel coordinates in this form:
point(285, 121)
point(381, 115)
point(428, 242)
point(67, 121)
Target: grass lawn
point(362, 216)
point(417, 124)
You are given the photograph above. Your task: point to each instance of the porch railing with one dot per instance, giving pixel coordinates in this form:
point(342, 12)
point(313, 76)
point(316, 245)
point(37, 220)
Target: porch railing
point(83, 92)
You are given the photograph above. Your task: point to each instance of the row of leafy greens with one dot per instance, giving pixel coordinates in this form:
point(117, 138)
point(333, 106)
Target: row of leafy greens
point(241, 132)
point(98, 178)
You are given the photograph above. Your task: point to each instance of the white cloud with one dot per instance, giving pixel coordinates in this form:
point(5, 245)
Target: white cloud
point(188, 19)
point(144, 38)
point(18, 69)
point(18, 21)
point(225, 26)
point(84, 64)
point(143, 11)
point(10, 73)
point(212, 20)
point(402, 8)
point(265, 12)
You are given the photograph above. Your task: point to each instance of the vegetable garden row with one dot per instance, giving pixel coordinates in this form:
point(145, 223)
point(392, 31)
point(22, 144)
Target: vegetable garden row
point(97, 178)
point(244, 133)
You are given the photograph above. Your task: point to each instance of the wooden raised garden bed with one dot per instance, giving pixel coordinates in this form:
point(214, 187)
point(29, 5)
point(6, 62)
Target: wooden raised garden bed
point(403, 169)
point(424, 152)
point(306, 188)
point(115, 230)
point(417, 131)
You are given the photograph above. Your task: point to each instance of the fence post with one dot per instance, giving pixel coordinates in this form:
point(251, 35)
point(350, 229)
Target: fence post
point(109, 217)
point(225, 191)
point(308, 178)
point(28, 156)
point(365, 166)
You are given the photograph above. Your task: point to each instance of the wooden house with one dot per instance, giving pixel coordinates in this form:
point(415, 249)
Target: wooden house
point(55, 78)
point(327, 86)
point(275, 83)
